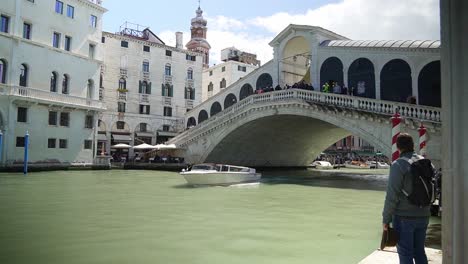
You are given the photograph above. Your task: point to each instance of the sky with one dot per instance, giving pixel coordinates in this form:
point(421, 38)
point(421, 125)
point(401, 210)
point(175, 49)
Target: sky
point(250, 25)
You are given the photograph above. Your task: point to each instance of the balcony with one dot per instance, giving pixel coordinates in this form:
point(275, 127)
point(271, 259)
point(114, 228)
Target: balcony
point(123, 72)
point(144, 98)
point(46, 97)
point(145, 75)
point(189, 83)
point(101, 94)
point(168, 79)
point(167, 101)
point(121, 96)
point(189, 104)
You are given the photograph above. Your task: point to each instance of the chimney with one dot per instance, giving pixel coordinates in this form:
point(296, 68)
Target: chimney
point(179, 40)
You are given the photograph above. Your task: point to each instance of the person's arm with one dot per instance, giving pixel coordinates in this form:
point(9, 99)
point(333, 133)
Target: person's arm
point(394, 186)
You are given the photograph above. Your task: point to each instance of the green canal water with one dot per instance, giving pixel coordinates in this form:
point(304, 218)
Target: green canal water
point(153, 217)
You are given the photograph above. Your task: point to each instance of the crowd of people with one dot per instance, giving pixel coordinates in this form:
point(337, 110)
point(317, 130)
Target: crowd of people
point(342, 158)
point(329, 87)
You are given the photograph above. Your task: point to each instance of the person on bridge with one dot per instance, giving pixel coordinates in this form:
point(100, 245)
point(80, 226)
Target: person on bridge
point(410, 221)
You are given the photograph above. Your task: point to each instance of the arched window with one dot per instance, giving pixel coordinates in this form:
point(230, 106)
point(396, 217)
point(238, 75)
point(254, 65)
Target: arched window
point(229, 100)
point(122, 84)
point(429, 84)
point(189, 93)
point(245, 91)
point(189, 74)
point(65, 83)
point(90, 90)
point(331, 72)
point(145, 87)
point(202, 116)
point(395, 81)
point(222, 84)
point(167, 90)
point(167, 70)
point(53, 82)
point(3, 70)
point(264, 81)
point(24, 71)
point(210, 87)
point(145, 66)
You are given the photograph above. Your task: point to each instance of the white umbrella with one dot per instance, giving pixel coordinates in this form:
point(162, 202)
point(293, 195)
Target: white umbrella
point(121, 146)
point(144, 146)
point(162, 146)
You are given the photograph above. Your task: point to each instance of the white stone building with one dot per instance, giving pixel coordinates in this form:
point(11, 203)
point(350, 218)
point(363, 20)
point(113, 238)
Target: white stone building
point(222, 75)
point(49, 71)
point(147, 87)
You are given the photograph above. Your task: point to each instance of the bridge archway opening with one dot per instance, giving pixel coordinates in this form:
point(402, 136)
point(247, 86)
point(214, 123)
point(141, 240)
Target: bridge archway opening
point(429, 83)
point(395, 81)
point(191, 122)
point(229, 100)
point(202, 116)
point(361, 77)
point(264, 81)
point(245, 91)
point(295, 61)
point(215, 108)
point(277, 140)
point(331, 71)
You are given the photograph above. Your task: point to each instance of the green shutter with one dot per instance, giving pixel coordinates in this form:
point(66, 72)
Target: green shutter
point(148, 89)
point(171, 88)
point(162, 90)
point(192, 94)
point(140, 90)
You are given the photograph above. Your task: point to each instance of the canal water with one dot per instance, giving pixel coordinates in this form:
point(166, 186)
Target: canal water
point(153, 217)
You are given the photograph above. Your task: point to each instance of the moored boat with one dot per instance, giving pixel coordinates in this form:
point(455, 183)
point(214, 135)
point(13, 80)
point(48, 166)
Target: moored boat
point(219, 174)
point(357, 165)
point(321, 165)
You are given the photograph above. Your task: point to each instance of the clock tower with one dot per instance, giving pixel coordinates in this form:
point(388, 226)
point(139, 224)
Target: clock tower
point(198, 41)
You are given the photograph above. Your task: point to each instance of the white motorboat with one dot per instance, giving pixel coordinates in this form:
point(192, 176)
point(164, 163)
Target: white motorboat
point(220, 174)
point(382, 165)
point(322, 165)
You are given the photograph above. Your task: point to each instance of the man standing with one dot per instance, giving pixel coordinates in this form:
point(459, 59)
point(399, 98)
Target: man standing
point(410, 221)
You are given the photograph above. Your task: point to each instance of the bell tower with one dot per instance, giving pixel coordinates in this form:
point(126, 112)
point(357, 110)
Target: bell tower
point(198, 41)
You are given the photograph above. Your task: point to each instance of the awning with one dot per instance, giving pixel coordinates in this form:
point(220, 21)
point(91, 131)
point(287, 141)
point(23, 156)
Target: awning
point(101, 137)
point(125, 138)
point(167, 134)
point(144, 134)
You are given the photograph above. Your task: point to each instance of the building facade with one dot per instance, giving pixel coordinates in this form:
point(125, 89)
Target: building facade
point(147, 87)
point(49, 71)
point(234, 54)
point(222, 75)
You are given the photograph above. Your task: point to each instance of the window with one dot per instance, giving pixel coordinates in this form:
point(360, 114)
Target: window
point(146, 48)
point(63, 143)
point(89, 120)
point(120, 125)
point(143, 127)
point(22, 115)
point(145, 109)
point(124, 44)
point(103, 39)
point(51, 142)
point(167, 111)
point(3, 71)
point(210, 87)
point(190, 57)
point(90, 90)
point(167, 90)
point(223, 69)
point(166, 128)
point(145, 66)
point(241, 68)
point(53, 82)
point(101, 81)
point(189, 93)
point(65, 84)
point(23, 75)
point(92, 48)
point(211, 73)
point(88, 144)
point(70, 11)
point(26, 31)
point(222, 84)
point(144, 87)
point(121, 107)
point(68, 40)
point(58, 7)
point(189, 74)
point(53, 118)
point(56, 40)
point(122, 84)
point(4, 24)
point(20, 142)
point(167, 70)
point(93, 21)
point(168, 53)
point(65, 119)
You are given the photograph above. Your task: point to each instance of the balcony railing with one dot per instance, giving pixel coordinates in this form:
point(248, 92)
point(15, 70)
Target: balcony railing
point(36, 95)
point(168, 78)
point(121, 96)
point(167, 101)
point(144, 98)
point(189, 104)
point(145, 75)
point(189, 82)
point(123, 71)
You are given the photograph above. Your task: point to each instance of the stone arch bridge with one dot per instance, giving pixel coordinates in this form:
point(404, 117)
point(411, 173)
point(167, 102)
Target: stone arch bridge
point(289, 128)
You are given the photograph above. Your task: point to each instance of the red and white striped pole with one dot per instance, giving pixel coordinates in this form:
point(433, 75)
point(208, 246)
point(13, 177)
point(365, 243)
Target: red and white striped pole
point(396, 128)
point(422, 140)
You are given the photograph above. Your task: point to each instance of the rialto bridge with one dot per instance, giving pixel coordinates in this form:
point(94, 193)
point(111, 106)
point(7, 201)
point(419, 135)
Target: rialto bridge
point(291, 127)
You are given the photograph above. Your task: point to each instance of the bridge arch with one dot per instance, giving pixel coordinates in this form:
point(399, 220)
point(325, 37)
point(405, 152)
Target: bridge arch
point(331, 71)
point(295, 60)
point(215, 108)
point(264, 80)
point(229, 100)
point(245, 91)
point(361, 76)
point(429, 83)
point(202, 116)
point(395, 81)
point(191, 122)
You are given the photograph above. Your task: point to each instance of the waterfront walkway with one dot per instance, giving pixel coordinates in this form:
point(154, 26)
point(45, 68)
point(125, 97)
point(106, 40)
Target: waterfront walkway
point(390, 256)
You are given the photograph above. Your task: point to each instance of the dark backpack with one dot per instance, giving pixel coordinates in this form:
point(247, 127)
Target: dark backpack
point(423, 174)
